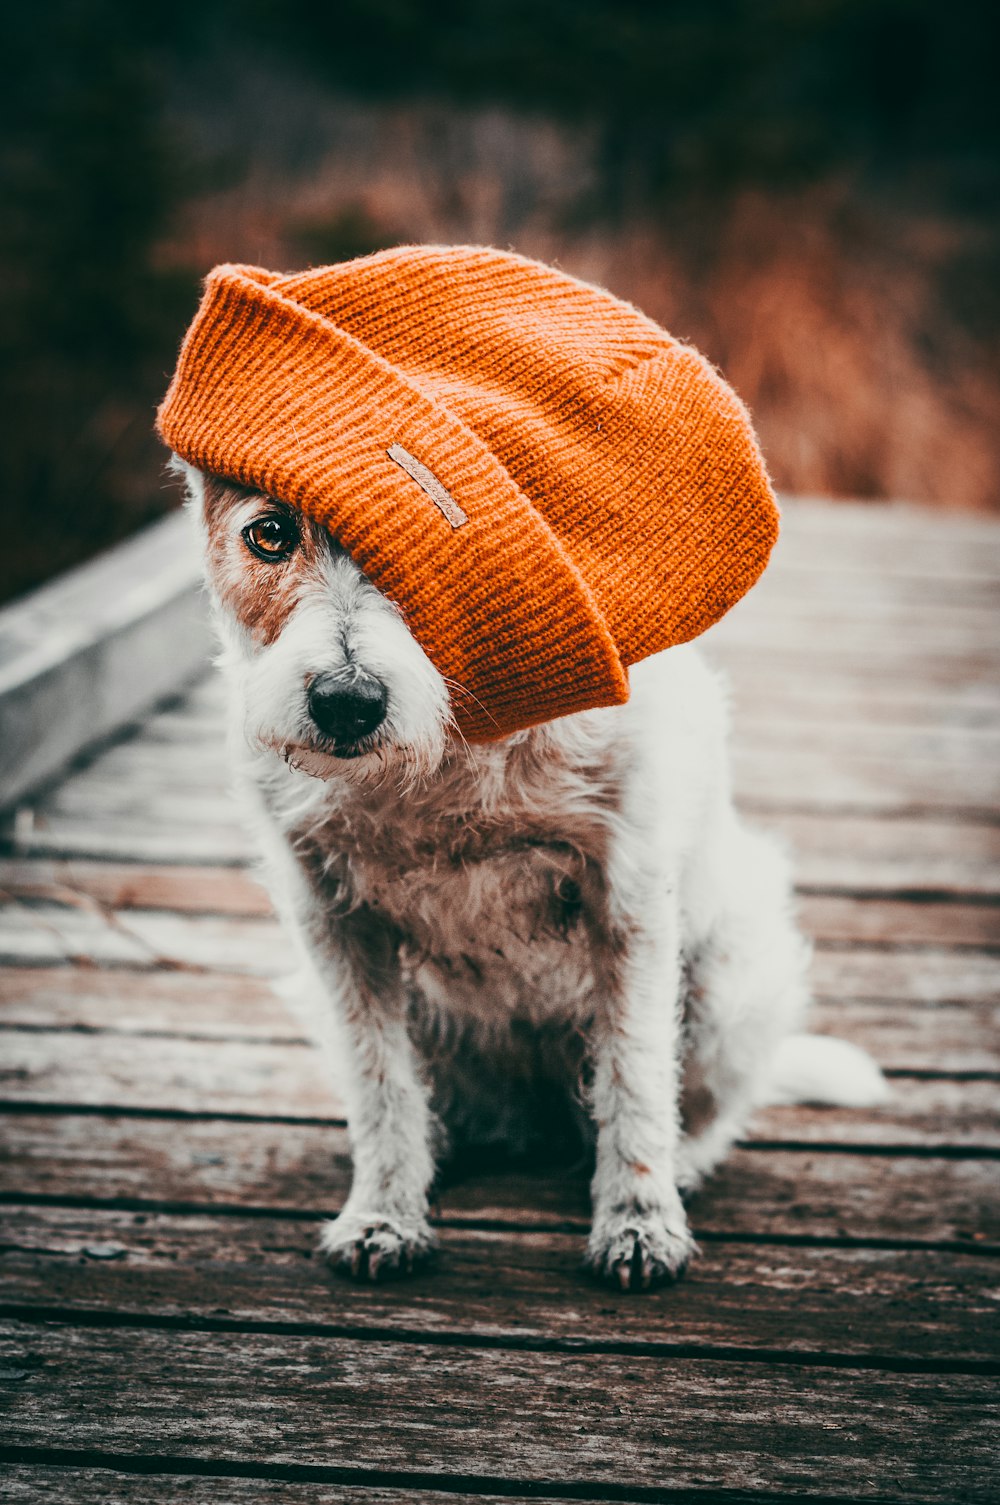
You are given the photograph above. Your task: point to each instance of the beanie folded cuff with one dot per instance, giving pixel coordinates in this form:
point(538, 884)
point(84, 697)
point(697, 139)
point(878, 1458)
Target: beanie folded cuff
point(275, 396)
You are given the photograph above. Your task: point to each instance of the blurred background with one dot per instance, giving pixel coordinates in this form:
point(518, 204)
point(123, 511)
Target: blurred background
point(806, 189)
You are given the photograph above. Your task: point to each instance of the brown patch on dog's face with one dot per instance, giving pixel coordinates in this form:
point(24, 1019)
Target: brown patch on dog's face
point(261, 554)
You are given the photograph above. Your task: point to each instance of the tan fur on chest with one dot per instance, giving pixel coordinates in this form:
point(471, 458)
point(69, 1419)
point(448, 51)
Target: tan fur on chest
point(486, 927)
point(500, 938)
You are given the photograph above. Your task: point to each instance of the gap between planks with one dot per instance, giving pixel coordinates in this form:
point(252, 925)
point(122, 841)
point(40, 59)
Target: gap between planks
point(39, 931)
point(166, 1075)
point(231, 891)
point(770, 1241)
point(298, 1484)
point(292, 1170)
point(926, 1307)
point(67, 1476)
point(723, 1353)
point(608, 1420)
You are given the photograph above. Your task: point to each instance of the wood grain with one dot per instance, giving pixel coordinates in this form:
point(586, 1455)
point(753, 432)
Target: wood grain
point(862, 853)
point(505, 1286)
point(41, 931)
point(807, 776)
point(611, 1419)
point(304, 1169)
point(906, 1033)
point(873, 853)
point(152, 1483)
point(212, 1072)
point(170, 1142)
point(235, 892)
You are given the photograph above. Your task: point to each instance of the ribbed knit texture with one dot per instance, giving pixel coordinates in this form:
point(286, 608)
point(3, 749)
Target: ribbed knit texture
point(615, 497)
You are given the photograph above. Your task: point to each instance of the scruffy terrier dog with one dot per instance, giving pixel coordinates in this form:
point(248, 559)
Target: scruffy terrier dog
point(571, 920)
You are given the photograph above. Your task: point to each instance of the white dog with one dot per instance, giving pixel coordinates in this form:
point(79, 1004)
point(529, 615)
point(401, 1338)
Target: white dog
point(571, 922)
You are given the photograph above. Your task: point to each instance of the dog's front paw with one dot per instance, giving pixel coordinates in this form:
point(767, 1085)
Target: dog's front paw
point(373, 1246)
point(638, 1249)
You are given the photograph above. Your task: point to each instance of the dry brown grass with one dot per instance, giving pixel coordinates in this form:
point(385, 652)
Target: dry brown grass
point(828, 311)
point(834, 333)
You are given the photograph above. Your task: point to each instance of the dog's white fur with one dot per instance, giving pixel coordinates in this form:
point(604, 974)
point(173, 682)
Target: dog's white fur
point(577, 908)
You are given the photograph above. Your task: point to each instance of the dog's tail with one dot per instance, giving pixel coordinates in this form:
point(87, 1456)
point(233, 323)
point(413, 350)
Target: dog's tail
point(820, 1069)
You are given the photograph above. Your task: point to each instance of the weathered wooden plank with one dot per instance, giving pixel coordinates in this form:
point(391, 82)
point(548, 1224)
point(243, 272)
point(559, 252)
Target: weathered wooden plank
point(142, 838)
point(887, 539)
point(946, 1037)
point(817, 778)
point(147, 761)
point(870, 853)
point(27, 1484)
point(905, 702)
point(832, 581)
point(951, 747)
point(809, 772)
point(129, 885)
point(793, 718)
point(235, 891)
point(200, 1076)
point(275, 1073)
point(846, 707)
point(100, 816)
point(162, 1075)
point(107, 798)
point(61, 932)
point(39, 931)
point(924, 975)
point(152, 764)
point(149, 790)
point(966, 639)
point(282, 1081)
point(849, 606)
point(899, 922)
point(844, 693)
point(926, 1306)
point(186, 723)
point(880, 663)
point(624, 1420)
point(206, 694)
point(902, 1034)
point(810, 587)
point(304, 1169)
point(45, 932)
point(841, 699)
point(92, 649)
point(148, 1000)
point(864, 853)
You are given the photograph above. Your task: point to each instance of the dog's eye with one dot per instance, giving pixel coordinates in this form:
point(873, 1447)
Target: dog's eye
point(272, 537)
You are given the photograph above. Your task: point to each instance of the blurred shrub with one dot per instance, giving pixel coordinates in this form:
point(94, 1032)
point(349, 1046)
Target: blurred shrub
point(349, 232)
point(714, 90)
point(88, 324)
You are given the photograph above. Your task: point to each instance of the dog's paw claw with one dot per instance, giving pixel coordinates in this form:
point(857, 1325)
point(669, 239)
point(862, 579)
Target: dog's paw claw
point(640, 1253)
point(374, 1249)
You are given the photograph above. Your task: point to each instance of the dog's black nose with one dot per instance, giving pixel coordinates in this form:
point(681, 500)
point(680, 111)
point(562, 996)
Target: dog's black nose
point(347, 706)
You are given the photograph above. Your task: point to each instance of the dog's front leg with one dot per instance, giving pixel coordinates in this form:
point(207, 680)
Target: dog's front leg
point(639, 1234)
point(383, 1228)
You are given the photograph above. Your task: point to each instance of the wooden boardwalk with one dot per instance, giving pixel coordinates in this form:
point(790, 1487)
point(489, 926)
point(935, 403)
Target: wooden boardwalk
point(169, 1142)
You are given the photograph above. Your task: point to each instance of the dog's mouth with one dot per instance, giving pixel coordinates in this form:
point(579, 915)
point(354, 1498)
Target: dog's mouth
point(347, 750)
point(321, 756)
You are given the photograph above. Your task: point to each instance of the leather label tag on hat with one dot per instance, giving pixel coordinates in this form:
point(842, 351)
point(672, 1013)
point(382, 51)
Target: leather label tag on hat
point(429, 483)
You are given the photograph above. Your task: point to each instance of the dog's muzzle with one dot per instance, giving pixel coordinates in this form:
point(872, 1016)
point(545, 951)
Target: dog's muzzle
point(347, 707)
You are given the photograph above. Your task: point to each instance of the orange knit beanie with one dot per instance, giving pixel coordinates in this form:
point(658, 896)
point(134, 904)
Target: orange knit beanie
point(546, 483)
